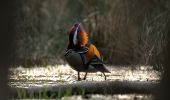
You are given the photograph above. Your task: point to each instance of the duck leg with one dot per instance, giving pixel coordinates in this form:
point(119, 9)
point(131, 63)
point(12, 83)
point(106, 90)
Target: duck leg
point(104, 75)
point(79, 79)
point(85, 76)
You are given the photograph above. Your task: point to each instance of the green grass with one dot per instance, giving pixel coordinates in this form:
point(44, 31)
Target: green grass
point(22, 94)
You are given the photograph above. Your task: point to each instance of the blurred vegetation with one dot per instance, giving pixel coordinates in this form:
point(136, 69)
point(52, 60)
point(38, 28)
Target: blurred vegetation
point(126, 32)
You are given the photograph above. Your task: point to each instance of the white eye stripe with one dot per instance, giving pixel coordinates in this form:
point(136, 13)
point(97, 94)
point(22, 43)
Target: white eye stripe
point(75, 36)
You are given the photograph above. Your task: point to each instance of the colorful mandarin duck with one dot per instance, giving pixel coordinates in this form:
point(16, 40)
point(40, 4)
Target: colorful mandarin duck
point(81, 55)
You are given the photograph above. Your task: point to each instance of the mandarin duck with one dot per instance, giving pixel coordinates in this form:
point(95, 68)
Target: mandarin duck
point(81, 55)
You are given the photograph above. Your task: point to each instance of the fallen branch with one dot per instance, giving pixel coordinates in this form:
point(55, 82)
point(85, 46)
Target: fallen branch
point(83, 88)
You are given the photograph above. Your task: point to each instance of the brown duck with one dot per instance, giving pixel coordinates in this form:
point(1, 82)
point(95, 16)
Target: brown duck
point(81, 55)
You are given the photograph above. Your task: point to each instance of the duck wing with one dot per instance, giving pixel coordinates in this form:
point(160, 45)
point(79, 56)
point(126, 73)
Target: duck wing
point(98, 65)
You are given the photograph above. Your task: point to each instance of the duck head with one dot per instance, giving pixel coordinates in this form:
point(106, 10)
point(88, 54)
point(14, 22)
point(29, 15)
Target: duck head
point(77, 36)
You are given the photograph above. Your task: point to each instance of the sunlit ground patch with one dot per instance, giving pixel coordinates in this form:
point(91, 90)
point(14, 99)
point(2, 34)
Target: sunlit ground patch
point(111, 97)
point(63, 74)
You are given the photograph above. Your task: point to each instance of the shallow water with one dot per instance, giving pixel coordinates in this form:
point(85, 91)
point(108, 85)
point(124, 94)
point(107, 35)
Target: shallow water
point(63, 74)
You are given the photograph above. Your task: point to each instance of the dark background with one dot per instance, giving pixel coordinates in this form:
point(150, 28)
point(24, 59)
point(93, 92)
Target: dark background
point(126, 32)
point(35, 32)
